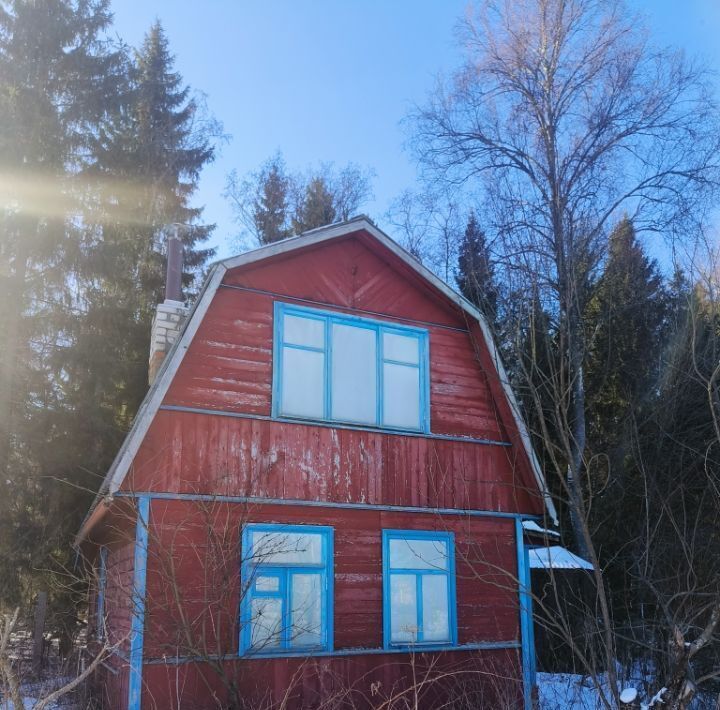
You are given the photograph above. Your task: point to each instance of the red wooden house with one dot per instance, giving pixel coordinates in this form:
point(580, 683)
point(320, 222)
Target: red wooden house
point(321, 500)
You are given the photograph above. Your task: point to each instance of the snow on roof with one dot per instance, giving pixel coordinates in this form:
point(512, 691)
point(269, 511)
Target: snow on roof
point(532, 526)
point(556, 557)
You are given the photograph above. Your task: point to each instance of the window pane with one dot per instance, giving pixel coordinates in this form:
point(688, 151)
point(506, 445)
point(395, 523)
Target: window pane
point(401, 396)
point(418, 554)
point(286, 548)
point(403, 608)
point(267, 584)
point(401, 348)
point(303, 383)
point(306, 617)
point(304, 331)
point(435, 621)
point(354, 374)
point(266, 622)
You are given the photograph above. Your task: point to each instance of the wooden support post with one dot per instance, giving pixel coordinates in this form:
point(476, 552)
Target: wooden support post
point(137, 624)
point(39, 631)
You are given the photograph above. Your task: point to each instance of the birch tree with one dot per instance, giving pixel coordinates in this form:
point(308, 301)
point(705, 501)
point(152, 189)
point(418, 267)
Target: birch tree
point(565, 115)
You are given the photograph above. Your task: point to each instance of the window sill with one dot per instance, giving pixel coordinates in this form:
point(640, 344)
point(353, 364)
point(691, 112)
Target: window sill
point(374, 428)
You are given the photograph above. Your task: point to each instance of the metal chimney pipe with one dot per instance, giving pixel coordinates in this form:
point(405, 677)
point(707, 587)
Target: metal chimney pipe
point(173, 277)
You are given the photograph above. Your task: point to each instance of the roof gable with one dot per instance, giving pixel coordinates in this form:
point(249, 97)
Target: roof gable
point(353, 272)
point(450, 306)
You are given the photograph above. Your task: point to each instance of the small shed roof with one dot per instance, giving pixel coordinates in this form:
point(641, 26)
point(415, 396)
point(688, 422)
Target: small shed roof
point(556, 557)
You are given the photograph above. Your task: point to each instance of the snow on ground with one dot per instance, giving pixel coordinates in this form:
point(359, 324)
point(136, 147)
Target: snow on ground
point(559, 691)
point(565, 691)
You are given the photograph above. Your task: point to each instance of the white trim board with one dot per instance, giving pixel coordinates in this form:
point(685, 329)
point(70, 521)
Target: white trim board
point(150, 405)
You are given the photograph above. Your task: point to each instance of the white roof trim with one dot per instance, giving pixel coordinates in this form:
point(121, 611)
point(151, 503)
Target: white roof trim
point(149, 407)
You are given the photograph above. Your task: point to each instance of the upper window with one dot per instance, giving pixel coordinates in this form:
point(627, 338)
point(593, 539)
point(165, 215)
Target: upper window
point(346, 369)
point(286, 589)
point(419, 588)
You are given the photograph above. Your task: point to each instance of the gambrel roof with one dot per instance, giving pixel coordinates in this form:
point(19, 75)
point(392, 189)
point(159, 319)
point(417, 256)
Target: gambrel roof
point(156, 394)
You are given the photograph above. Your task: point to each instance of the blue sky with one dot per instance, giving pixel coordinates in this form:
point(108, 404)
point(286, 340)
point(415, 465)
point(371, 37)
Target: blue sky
point(331, 80)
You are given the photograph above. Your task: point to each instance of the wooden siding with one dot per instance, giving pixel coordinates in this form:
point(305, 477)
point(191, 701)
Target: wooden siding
point(233, 447)
point(483, 680)
point(228, 368)
point(229, 364)
point(347, 273)
point(112, 679)
point(193, 582)
point(118, 588)
point(216, 455)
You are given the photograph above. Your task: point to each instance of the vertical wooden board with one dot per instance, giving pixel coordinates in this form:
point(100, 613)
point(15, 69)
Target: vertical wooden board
point(353, 274)
point(277, 462)
point(200, 453)
point(224, 476)
point(460, 497)
point(150, 462)
point(334, 464)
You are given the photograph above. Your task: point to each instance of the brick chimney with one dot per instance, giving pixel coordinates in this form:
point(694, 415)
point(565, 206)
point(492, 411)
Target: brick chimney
point(170, 314)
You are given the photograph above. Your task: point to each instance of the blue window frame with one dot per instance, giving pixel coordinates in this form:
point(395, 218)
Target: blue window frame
point(419, 589)
point(287, 584)
point(102, 584)
point(334, 367)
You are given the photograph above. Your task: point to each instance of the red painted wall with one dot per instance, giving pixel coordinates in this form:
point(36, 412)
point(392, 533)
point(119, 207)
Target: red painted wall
point(229, 364)
point(489, 680)
point(197, 453)
point(193, 594)
point(112, 679)
point(228, 368)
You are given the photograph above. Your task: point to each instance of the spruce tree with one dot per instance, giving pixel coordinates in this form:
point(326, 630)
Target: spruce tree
point(626, 325)
point(476, 273)
point(147, 162)
point(316, 207)
point(625, 319)
point(57, 81)
point(271, 203)
point(99, 151)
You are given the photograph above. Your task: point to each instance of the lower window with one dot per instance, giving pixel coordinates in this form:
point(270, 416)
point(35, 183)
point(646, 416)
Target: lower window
point(286, 589)
point(419, 588)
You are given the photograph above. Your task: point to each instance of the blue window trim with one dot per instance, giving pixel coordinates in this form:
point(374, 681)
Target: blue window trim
point(249, 572)
point(449, 539)
point(330, 317)
point(100, 606)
